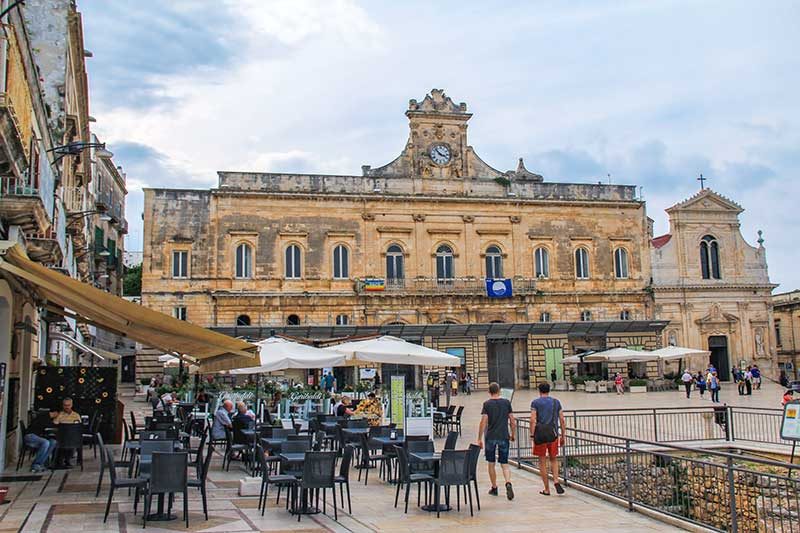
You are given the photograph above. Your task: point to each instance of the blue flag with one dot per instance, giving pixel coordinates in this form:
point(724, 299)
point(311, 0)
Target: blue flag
point(499, 288)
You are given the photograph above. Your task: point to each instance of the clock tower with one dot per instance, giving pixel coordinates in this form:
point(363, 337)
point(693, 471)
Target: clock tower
point(437, 145)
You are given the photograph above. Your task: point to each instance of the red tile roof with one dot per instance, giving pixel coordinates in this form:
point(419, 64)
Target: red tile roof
point(660, 241)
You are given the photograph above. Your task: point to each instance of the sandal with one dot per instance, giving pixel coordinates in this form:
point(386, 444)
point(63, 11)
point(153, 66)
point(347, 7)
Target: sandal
point(543, 493)
point(559, 488)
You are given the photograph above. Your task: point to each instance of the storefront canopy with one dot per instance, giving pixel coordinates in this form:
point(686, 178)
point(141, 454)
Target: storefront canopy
point(69, 296)
point(614, 355)
point(391, 350)
point(279, 354)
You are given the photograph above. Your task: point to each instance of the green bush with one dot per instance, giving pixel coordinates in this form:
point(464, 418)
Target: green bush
point(145, 381)
point(637, 383)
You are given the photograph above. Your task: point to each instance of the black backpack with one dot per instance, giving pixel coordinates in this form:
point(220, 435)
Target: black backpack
point(545, 432)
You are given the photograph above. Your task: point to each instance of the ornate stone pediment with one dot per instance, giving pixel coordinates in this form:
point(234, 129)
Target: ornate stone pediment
point(438, 102)
point(717, 320)
point(707, 200)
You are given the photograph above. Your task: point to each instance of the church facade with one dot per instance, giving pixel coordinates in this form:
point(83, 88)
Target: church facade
point(436, 237)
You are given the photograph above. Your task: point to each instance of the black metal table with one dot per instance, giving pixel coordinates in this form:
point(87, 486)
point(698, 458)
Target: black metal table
point(432, 457)
point(305, 508)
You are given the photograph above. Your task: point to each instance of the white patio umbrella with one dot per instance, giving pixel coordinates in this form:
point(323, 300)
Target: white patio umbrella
point(392, 350)
point(614, 355)
point(677, 352)
point(277, 353)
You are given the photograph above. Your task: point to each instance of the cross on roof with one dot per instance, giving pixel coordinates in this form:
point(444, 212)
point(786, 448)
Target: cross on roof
point(702, 181)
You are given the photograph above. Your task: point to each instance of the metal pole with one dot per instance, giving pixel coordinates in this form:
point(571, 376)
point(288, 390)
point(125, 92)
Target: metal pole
point(629, 474)
point(566, 462)
point(791, 460)
point(732, 497)
point(655, 426)
point(729, 434)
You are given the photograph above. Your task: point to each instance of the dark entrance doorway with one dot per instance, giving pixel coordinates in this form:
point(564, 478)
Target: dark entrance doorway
point(389, 370)
point(128, 373)
point(718, 346)
point(500, 358)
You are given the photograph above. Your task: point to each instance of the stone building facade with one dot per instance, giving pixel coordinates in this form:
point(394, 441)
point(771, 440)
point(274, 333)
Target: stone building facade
point(411, 242)
point(713, 286)
point(786, 313)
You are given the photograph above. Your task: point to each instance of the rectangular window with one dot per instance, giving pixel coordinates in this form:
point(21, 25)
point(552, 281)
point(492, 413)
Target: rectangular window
point(778, 333)
point(461, 353)
point(180, 264)
point(179, 312)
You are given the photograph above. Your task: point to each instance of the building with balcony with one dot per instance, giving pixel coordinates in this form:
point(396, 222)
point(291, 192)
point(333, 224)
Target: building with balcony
point(436, 236)
point(46, 201)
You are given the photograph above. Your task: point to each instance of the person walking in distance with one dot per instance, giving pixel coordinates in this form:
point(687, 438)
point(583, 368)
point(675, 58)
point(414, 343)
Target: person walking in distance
point(619, 384)
point(712, 381)
point(546, 419)
point(498, 426)
point(687, 379)
point(448, 387)
point(701, 383)
point(756, 374)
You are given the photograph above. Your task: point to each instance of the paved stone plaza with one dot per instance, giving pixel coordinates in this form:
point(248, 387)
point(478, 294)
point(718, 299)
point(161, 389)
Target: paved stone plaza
point(64, 502)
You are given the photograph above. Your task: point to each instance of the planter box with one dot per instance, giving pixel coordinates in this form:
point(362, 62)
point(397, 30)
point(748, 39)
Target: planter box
point(638, 388)
point(591, 386)
point(580, 387)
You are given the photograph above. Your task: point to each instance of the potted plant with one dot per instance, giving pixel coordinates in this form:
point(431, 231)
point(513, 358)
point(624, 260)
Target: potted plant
point(637, 385)
point(579, 382)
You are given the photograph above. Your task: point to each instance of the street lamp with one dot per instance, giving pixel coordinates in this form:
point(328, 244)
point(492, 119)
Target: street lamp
point(74, 148)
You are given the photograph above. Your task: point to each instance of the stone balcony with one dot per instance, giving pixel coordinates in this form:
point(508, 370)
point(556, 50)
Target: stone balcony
point(469, 286)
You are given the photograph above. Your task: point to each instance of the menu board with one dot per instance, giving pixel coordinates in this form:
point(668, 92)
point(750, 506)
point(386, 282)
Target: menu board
point(790, 427)
point(398, 401)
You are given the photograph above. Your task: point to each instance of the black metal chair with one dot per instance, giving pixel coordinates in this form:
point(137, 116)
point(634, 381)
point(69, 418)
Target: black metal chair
point(94, 427)
point(368, 460)
point(451, 440)
point(294, 446)
point(107, 462)
point(474, 456)
point(24, 448)
point(407, 477)
point(231, 448)
point(357, 424)
point(343, 479)
point(420, 446)
point(318, 473)
point(135, 428)
point(453, 472)
point(70, 437)
point(454, 423)
point(267, 479)
point(119, 482)
point(146, 450)
point(201, 468)
point(282, 433)
point(168, 475)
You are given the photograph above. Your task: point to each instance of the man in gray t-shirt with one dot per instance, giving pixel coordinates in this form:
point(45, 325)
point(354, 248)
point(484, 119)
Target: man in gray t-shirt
point(222, 420)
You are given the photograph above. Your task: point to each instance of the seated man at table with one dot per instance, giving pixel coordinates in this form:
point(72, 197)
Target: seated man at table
point(35, 438)
point(222, 420)
point(66, 416)
point(371, 409)
point(244, 415)
point(342, 409)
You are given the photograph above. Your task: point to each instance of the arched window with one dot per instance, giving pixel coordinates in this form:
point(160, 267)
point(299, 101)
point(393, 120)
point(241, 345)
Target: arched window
point(342, 320)
point(242, 320)
point(292, 320)
point(341, 262)
point(494, 262)
point(709, 258)
point(395, 271)
point(244, 261)
point(621, 263)
point(581, 263)
point(586, 316)
point(624, 315)
point(541, 260)
point(292, 263)
point(544, 317)
point(444, 263)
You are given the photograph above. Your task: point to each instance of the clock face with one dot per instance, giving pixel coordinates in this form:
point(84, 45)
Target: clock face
point(440, 154)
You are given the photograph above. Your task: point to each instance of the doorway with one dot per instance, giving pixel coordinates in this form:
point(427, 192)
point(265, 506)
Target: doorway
point(128, 373)
point(552, 359)
point(718, 346)
point(500, 359)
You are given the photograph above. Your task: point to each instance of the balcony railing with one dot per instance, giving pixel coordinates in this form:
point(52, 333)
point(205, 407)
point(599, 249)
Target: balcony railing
point(102, 200)
point(74, 199)
point(435, 286)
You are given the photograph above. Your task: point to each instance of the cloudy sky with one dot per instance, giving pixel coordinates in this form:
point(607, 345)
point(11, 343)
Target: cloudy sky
point(653, 93)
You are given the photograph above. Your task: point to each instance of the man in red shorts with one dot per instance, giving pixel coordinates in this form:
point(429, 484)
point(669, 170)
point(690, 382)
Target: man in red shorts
point(547, 413)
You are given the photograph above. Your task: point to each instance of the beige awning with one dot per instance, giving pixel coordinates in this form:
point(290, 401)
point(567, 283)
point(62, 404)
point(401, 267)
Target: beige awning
point(214, 351)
